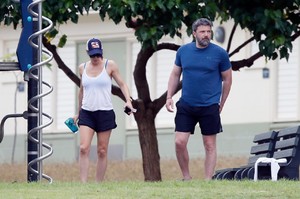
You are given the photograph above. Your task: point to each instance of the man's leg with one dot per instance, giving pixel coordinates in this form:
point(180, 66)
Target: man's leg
point(209, 142)
point(86, 135)
point(181, 140)
point(102, 146)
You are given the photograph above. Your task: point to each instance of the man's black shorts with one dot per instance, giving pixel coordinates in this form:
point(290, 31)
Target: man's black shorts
point(188, 116)
point(98, 120)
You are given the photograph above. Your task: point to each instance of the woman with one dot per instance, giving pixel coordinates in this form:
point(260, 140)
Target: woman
point(96, 112)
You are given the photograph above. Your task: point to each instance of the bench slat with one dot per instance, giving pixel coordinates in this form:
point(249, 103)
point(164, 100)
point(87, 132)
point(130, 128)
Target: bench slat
point(289, 131)
point(262, 148)
point(287, 153)
point(252, 159)
point(263, 137)
point(288, 143)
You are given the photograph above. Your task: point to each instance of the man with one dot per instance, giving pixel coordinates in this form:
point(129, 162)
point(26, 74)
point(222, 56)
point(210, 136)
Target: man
point(206, 82)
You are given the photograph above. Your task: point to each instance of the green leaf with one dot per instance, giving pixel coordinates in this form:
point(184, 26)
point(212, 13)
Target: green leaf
point(51, 34)
point(279, 40)
point(62, 41)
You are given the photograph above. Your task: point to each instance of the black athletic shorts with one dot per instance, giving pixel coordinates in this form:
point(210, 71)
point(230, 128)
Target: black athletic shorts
point(188, 116)
point(98, 120)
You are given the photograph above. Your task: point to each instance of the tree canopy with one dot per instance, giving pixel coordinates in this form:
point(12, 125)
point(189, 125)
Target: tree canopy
point(273, 24)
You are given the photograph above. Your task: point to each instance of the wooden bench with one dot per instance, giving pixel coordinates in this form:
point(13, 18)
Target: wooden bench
point(287, 147)
point(264, 147)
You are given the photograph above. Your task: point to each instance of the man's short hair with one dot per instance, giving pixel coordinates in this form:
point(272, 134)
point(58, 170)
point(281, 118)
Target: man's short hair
point(201, 22)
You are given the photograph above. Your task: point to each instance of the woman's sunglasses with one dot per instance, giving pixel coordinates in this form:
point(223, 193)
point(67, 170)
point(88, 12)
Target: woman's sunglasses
point(95, 55)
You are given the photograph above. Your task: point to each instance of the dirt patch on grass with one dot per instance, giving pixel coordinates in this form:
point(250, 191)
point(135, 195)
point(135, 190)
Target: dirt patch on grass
point(129, 170)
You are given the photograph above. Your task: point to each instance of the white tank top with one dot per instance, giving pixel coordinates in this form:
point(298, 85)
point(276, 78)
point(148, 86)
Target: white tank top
point(96, 91)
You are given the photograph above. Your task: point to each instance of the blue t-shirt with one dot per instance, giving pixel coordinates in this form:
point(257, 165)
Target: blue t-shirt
point(201, 73)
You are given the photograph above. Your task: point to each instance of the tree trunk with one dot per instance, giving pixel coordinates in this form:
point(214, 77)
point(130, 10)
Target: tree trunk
point(149, 145)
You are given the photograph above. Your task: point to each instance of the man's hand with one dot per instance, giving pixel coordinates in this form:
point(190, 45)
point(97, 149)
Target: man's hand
point(170, 105)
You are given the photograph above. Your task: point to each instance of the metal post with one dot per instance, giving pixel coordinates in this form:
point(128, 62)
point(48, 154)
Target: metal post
point(40, 90)
point(32, 121)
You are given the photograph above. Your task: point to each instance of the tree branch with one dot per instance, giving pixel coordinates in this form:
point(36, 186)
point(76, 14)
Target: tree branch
point(139, 74)
point(231, 36)
point(241, 46)
point(61, 65)
point(115, 90)
point(236, 65)
point(296, 35)
point(167, 46)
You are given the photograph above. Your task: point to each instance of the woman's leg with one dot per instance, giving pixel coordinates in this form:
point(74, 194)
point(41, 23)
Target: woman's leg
point(102, 146)
point(86, 136)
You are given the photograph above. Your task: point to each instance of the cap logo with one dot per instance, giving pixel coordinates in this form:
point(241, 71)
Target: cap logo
point(95, 44)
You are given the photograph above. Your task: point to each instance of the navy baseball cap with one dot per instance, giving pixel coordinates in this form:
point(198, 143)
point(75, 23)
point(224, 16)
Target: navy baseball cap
point(93, 47)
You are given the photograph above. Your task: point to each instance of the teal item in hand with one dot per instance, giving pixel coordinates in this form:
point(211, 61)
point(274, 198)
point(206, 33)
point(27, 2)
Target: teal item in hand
point(71, 124)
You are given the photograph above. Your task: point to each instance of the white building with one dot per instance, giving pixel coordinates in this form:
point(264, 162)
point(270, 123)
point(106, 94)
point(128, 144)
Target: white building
point(255, 104)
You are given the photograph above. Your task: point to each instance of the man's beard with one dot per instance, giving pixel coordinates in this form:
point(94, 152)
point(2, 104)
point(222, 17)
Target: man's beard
point(203, 42)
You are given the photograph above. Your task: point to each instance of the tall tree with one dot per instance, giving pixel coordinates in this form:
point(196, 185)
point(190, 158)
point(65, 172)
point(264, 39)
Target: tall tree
point(274, 25)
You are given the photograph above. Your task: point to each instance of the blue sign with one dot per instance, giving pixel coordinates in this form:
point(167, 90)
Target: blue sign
point(25, 50)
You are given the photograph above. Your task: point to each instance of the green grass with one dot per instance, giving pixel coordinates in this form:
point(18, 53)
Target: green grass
point(145, 190)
